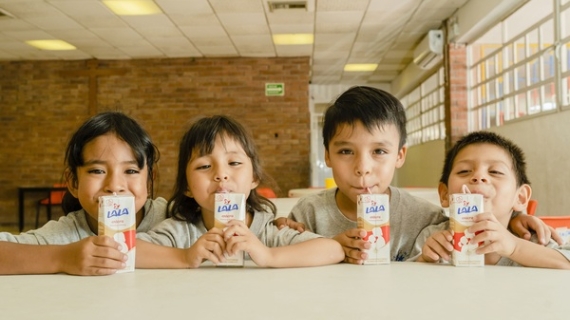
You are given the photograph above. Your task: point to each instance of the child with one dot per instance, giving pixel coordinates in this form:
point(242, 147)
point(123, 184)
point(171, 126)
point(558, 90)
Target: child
point(217, 155)
point(364, 136)
point(110, 153)
point(493, 166)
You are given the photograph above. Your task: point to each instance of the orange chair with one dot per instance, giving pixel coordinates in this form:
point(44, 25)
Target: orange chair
point(55, 198)
point(531, 207)
point(266, 192)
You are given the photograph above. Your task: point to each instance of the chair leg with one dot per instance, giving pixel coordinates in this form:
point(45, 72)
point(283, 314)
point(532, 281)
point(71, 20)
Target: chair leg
point(37, 215)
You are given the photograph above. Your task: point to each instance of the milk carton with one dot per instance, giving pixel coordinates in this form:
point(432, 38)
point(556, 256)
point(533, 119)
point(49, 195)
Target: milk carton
point(229, 206)
point(463, 208)
point(373, 215)
point(117, 219)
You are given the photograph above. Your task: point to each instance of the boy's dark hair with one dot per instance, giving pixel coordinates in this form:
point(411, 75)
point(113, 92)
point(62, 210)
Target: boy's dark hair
point(199, 141)
point(516, 154)
point(371, 106)
point(126, 129)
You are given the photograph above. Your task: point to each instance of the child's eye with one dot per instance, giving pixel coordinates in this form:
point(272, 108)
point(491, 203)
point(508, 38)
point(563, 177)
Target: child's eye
point(234, 163)
point(96, 171)
point(344, 151)
point(379, 151)
point(495, 172)
point(132, 171)
point(462, 171)
point(203, 167)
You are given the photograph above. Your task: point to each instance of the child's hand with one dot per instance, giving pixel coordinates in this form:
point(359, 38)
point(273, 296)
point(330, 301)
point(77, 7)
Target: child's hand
point(238, 237)
point(93, 256)
point(281, 223)
point(209, 246)
point(352, 244)
point(522, 224)
point(494, 237)
point(438, 246)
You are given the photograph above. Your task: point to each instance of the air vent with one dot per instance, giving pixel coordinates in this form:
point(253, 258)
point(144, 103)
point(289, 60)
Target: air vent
point(5, 14)
point(287, 5)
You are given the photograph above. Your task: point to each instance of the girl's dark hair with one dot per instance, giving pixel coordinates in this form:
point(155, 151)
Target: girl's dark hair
point(373, 107)
point(126, 129)
point(199, 141)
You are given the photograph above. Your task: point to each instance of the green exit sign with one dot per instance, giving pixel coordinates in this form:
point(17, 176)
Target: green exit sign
point(274, 89)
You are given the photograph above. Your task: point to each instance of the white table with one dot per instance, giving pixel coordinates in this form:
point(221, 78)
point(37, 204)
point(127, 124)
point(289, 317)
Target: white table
point(397, 291)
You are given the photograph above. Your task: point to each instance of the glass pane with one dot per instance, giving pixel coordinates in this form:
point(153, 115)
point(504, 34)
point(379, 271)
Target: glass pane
point(508, 56)
point(500, 87)
point(565, 20)
point(491, 91)
point(509, 109)
point(520, 53)
point(534, 101)
point(548, 64)
point(520, 80)
point(533, 42)
point(547, 34)
point(520, 104)
point(549, 97)
point(492, 115)
point(534, 71)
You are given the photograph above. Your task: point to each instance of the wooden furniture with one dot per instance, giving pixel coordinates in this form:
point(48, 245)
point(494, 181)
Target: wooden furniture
point(55, 198)
point(45, 190)
point(401, 290)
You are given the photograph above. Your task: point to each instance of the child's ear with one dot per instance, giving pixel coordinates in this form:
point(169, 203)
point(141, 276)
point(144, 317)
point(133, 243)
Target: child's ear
point(254, 184)
point(401, 157)
point(522, 197)
point(327, 159)
point(70, 183)
point(188, 193)
point(443, 195)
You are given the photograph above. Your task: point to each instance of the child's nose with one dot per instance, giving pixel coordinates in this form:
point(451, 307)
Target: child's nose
point(478, 177)
point(115, 184)
point(362, 166)
point(220, 176)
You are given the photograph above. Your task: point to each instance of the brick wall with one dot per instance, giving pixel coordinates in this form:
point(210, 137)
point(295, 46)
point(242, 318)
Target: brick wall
point(41, 104)
point(457, 118)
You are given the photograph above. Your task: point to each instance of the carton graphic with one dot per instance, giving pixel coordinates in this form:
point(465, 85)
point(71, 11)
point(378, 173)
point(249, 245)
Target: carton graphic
point(229, 206)
point(117, 219)
point(373, 215)
point(463, 208)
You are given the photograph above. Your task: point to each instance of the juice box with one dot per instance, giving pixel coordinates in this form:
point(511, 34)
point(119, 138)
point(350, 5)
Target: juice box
point(229, 206)
point(117, 219)
point(463, 208)
point(373, 215)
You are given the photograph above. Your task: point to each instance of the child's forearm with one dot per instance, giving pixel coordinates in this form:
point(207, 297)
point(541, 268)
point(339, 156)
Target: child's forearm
point(315, 252)
point(530, 254)
point(153, 256)
point(16, 258)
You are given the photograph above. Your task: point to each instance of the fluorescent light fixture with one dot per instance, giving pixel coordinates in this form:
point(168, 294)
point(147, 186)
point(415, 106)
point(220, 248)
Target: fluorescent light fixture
point(293, 38)
point(51, 44)
point(132, 7)
point(360, 67)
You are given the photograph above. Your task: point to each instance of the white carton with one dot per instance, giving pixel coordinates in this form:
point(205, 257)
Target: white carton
point(117, 219)
point(463, 208)
point(373, 215)
point(229, 206)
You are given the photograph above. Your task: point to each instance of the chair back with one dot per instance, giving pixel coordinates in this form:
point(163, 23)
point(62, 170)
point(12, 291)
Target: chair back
point(531, 207)
point(55, 197)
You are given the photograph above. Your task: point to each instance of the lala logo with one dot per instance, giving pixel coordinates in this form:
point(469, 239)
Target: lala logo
point(374, 208)
point(117, 212)
point(467, 208)
point(228, 207)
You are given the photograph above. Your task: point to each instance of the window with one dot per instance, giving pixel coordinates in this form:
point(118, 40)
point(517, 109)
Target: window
point(425, 110)
point(513, 74)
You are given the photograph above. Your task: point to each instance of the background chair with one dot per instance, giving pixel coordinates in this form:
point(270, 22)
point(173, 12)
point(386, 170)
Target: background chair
point(531, 207)
point(266, 192)
point(54, 199)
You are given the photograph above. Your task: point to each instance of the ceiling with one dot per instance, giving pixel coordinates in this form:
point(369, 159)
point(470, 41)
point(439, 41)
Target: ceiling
point(345, 31)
